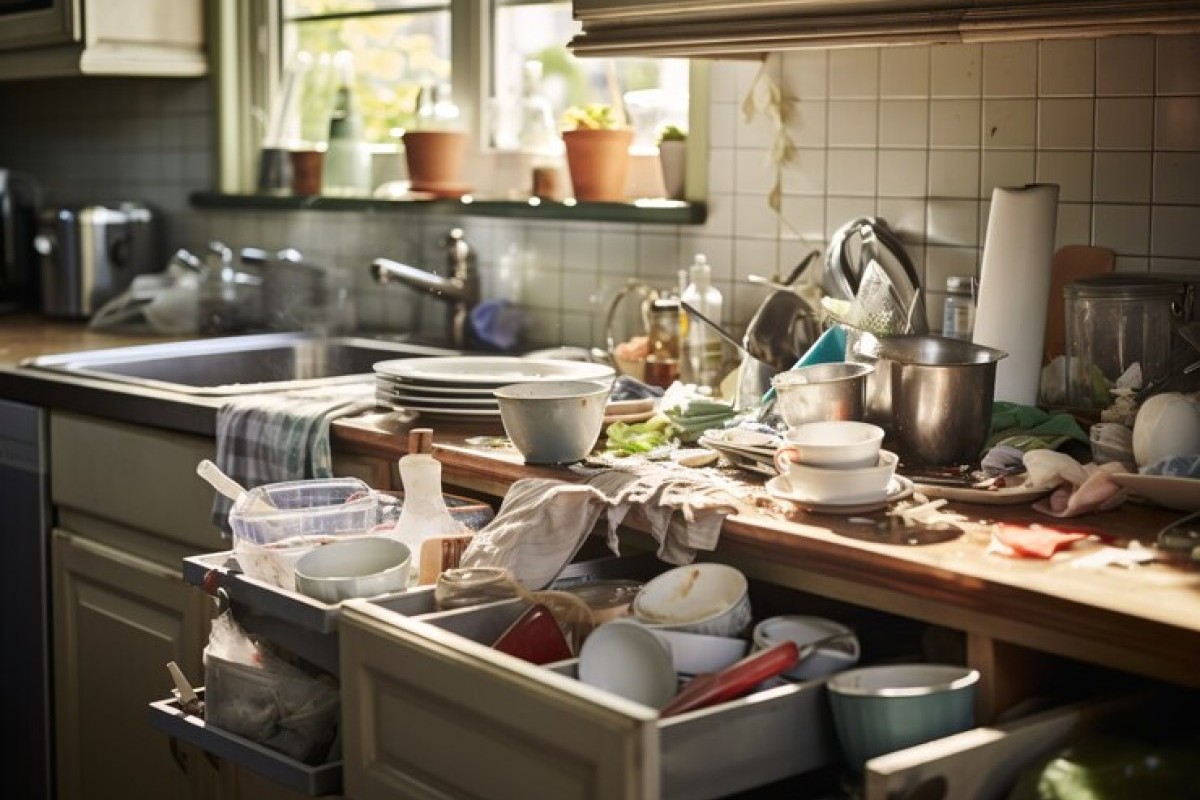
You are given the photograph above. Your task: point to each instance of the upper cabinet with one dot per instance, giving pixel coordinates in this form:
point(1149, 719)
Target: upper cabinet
point(748, 28)
point(53, 38)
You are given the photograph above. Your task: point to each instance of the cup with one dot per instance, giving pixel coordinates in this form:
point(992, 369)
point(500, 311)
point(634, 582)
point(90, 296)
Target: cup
point(306, 171)
point(836, 444)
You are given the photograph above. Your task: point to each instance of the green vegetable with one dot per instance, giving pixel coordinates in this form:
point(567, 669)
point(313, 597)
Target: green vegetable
point(638, 437)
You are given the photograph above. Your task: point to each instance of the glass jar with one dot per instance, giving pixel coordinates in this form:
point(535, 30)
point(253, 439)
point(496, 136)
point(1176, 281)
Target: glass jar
point(958, 315)
point(662, 361)
point(1116, 321)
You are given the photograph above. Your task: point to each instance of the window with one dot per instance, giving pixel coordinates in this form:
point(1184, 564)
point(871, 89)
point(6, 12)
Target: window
point(482, 49)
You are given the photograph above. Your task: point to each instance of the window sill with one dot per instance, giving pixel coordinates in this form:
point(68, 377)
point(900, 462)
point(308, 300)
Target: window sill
point(644, 212)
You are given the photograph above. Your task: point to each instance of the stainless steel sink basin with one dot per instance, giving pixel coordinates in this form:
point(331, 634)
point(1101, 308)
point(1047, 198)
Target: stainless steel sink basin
point(236, 364)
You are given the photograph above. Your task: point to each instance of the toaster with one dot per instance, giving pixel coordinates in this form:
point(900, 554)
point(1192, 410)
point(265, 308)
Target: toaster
point(90, 254)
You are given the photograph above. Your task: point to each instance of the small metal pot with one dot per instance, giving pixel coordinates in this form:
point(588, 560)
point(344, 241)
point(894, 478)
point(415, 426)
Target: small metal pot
point(822, 392)
point(933, 395)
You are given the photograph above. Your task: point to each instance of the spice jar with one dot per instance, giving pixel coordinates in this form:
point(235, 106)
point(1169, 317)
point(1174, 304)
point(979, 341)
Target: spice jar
point(662, 362)
point(958, 316)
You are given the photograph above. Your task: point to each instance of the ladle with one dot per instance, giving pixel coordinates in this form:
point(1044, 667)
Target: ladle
point(228, 486)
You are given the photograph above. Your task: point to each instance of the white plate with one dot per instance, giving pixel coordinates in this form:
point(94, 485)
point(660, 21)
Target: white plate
point(442, 411)
point(1009, 495)
point(494, 371)
point(392, 385)
point(764, 457)
point(898, 489)
point(1180, 494)
point(486, 403)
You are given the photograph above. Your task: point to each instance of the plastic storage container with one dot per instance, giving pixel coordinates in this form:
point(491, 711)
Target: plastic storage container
point(1115, 321)
point(306, 514)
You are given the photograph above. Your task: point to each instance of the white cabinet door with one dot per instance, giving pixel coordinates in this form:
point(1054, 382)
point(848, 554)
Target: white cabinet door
point(118, 620)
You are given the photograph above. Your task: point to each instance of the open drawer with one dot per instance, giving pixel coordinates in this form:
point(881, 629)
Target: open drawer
point(430, 710)
point(323, 779)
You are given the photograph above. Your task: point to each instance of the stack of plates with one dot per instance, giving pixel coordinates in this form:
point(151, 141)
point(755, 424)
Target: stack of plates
point(462, 386)
point(749, 450)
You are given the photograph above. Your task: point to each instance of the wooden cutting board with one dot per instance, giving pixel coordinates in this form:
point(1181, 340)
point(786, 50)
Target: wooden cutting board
point(1071, 262)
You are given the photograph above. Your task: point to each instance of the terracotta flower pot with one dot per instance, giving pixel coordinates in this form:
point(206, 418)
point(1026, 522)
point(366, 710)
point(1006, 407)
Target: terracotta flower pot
point(434, 158)
point(598, 162)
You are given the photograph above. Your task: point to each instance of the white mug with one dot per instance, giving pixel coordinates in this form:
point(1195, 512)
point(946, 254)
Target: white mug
point(836, 444)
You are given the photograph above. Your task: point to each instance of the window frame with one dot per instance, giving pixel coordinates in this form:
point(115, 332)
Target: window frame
point(247, 50)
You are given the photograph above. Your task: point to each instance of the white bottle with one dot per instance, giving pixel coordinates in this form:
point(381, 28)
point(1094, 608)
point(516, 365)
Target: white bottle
point(702, 351)
point(424, 514)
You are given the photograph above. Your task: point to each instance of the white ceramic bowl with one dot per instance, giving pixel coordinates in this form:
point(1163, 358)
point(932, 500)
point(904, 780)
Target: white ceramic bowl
point(1166, 425)
point(881, 709)
point(362, 567)
point(629, 660)
point(837, 444)
point(553, 422)
point(826, 485)
point(826, 659)
point(697, 653)
point(707, 598)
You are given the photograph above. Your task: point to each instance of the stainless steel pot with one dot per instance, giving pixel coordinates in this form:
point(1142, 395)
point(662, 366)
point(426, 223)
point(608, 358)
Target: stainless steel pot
point(821, 392)
point(932, 395)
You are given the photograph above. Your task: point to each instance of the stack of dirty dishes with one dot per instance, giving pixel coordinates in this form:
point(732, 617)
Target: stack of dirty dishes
point(464, 386)
point(837, 466)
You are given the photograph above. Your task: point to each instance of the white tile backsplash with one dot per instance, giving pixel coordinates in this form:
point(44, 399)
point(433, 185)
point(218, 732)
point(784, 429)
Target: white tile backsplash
point(904, 133)
point(1010, 69)
point(1125, 66)
point(1067, 68)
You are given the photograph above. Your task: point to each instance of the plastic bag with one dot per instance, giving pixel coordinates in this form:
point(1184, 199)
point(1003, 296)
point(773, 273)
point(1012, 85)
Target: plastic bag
point(255, 692)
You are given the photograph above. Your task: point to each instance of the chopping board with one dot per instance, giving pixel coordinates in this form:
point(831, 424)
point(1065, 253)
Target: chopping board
point(1071, 262)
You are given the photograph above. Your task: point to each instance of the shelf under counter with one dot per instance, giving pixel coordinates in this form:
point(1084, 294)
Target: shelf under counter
point(642, 212)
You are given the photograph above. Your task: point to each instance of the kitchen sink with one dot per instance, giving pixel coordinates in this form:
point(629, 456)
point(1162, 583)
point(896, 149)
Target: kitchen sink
point(235, 365)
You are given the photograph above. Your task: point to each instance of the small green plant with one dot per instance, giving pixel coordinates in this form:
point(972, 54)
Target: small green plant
point(672, 133)
point(592, 116)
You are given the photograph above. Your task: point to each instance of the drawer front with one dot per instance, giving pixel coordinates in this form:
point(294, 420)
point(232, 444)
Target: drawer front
point(140, 477)
point(435, 712)
point(983, 763)
point(430, 714)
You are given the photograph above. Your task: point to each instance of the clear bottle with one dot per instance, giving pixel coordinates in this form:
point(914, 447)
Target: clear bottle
point(958, 314)
point(538, 136)
point(702, 350)
point(662, 362)
point(347, 167)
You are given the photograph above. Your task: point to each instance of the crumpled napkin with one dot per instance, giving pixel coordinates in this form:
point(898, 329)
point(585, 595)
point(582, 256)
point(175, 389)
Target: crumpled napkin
point(1078, 488)
point(543, 522)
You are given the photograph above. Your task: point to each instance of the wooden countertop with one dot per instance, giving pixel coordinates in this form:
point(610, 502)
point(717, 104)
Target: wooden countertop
point(1144, 620)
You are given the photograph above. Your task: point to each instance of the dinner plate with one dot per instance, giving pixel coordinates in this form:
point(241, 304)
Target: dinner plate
point(493, 371)
point(766, 457)
point(422, 390)
point(898, 488)
point(1009, 495)
point(1180, 494)
point(448, 402)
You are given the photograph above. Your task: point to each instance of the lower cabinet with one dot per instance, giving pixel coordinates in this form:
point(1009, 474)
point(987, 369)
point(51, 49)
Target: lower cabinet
point(118, 620)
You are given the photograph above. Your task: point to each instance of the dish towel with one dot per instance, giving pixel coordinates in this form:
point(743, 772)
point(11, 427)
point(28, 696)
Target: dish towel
point(270, 438)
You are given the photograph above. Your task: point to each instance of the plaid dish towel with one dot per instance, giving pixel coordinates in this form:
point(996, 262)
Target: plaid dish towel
point(271, 438)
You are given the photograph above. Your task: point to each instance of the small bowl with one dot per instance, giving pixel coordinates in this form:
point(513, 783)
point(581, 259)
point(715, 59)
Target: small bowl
point(839, 444)
point(885, 708)
point(708, 598)
point(553, 422)
point(363, 567)
point(825, 485)
point(828, 658)
point(822, 392)
point(698, 653)
point(629, 660)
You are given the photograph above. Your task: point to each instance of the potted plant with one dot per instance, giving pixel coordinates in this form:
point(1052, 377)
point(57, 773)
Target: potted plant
point(672, 149)
point(597, 147)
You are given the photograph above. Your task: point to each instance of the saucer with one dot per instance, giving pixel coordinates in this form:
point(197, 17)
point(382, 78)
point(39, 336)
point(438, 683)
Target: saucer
point(898, 488)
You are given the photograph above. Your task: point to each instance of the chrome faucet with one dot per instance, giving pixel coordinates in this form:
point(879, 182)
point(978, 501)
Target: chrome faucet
point(460, 290)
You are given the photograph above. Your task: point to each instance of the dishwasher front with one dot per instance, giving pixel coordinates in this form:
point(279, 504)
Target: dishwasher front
point(25, 599)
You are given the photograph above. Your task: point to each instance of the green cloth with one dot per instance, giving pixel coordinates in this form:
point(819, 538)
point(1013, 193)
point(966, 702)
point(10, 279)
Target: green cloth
point(1031, 428)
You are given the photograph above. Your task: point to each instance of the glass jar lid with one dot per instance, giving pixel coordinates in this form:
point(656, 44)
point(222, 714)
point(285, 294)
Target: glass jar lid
point(1125, 286)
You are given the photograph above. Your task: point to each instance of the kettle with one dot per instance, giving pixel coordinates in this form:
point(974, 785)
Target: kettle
point(90, 254)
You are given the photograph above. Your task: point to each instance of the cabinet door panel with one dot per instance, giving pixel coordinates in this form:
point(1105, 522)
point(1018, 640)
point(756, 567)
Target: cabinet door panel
point(118, 620)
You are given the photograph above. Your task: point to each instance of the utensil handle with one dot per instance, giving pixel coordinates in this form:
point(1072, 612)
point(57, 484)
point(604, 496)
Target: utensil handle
point(717, 687)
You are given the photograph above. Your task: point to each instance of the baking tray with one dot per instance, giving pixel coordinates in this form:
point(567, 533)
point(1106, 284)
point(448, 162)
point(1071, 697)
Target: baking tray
point(324, 779)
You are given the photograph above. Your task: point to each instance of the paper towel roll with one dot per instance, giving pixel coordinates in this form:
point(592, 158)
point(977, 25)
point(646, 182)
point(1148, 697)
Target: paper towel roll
point(1014, 285)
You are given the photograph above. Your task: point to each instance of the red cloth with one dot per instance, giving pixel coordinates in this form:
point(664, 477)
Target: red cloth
point(1035, 541)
